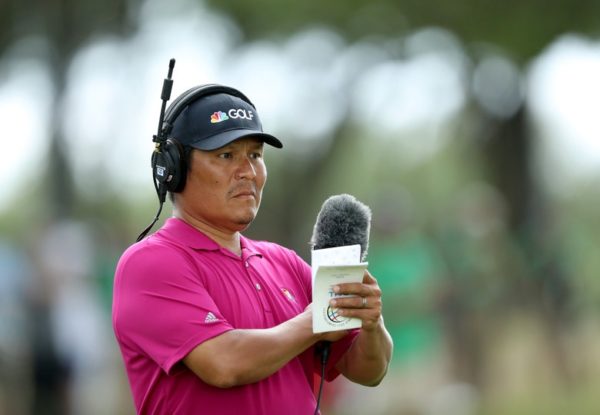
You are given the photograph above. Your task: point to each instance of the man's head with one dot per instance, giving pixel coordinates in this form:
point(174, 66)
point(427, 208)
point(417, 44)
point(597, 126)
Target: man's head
point(219, 139)
point(224, 186)
point(204, 117)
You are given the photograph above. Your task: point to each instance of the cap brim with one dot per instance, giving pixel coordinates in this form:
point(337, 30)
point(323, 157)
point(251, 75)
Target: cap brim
point(226, 137)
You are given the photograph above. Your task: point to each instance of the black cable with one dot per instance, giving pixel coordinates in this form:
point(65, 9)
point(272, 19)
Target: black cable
point(161, 192)
point(324, 359)
point(145, 231)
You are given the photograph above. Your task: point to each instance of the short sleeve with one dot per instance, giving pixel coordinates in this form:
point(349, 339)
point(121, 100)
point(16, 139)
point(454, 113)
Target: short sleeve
point(161, 308)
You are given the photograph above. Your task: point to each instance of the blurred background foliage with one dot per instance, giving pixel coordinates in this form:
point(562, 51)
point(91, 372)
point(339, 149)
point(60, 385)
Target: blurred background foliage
point(469, 127)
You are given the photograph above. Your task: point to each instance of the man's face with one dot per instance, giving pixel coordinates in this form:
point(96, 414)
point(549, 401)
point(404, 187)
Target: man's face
point(224, 186)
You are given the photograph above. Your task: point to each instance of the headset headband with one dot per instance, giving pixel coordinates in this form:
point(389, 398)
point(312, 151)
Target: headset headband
point(191, 95)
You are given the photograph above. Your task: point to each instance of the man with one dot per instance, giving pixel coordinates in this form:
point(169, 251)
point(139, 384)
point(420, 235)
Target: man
point(211, 322)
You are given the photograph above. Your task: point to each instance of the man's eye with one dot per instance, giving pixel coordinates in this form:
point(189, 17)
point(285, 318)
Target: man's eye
point(256, 155)
point(225, 155)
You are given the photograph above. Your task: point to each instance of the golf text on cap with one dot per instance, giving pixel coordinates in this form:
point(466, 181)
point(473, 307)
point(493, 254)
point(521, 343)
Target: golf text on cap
point(220, 116)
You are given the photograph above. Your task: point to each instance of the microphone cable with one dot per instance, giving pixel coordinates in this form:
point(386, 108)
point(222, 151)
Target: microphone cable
point(324, 359)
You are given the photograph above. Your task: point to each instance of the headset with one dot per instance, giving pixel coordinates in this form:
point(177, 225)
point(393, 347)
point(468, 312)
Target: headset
point(169, 159)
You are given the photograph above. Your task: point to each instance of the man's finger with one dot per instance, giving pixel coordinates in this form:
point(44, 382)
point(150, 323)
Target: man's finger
point(368, 278)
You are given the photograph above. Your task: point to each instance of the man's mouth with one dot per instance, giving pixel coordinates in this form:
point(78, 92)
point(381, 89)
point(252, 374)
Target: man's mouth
point(244, 194)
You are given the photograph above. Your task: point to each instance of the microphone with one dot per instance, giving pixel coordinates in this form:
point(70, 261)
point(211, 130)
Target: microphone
point(342, 221)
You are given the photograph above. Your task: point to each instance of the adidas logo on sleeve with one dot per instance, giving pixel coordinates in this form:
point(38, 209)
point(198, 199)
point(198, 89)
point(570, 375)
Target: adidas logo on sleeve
point(210, 318)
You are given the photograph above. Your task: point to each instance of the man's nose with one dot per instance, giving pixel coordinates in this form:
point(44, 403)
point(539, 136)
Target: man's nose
point(246, 168)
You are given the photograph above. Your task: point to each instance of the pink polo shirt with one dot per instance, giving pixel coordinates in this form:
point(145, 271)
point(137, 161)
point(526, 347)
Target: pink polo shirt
point(178, 288)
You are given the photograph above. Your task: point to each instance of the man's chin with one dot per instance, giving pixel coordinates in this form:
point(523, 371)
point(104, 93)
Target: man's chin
point(244, 217)
point(245, 221)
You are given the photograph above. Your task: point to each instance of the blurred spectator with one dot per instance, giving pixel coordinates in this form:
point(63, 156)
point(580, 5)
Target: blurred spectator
point(14, 343)
point(73, 329)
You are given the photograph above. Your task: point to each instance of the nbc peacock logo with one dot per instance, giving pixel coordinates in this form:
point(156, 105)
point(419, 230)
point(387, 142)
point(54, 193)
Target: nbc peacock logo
point(218, 116)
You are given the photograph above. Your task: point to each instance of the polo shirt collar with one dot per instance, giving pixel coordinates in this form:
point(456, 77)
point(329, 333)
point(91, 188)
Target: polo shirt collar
point(185, 233)
point(248, 248)
point(182, 231)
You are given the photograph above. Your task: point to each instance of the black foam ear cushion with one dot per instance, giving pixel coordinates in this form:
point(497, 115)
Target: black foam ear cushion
point(169, 166)
point(174, 150)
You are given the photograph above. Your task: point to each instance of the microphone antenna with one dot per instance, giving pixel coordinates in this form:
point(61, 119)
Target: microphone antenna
point(165, 95)
point(160, 138)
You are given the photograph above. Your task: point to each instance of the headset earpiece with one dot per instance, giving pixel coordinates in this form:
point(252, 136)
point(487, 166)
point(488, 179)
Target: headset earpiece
point(169, 166)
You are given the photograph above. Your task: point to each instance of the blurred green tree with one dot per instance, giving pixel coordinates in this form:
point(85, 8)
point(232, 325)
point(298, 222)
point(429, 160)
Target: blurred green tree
point(64, 25)
point(517, 30)
point(522, 28)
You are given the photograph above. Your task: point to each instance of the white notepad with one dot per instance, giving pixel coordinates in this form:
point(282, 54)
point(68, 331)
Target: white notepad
point(332, 266)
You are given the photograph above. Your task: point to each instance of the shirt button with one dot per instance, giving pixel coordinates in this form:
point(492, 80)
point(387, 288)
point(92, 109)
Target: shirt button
point(246, 264)
point(257, 285)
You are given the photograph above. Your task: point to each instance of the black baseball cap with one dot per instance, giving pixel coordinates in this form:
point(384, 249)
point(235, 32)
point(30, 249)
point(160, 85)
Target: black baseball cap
point(215, 120)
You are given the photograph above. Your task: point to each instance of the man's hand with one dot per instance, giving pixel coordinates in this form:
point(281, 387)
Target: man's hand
point(330, 336)
point(364, 304)
point(367, 361)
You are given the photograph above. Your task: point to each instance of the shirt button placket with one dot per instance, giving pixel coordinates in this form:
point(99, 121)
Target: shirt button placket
point(247, 265)
point(260, 294)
